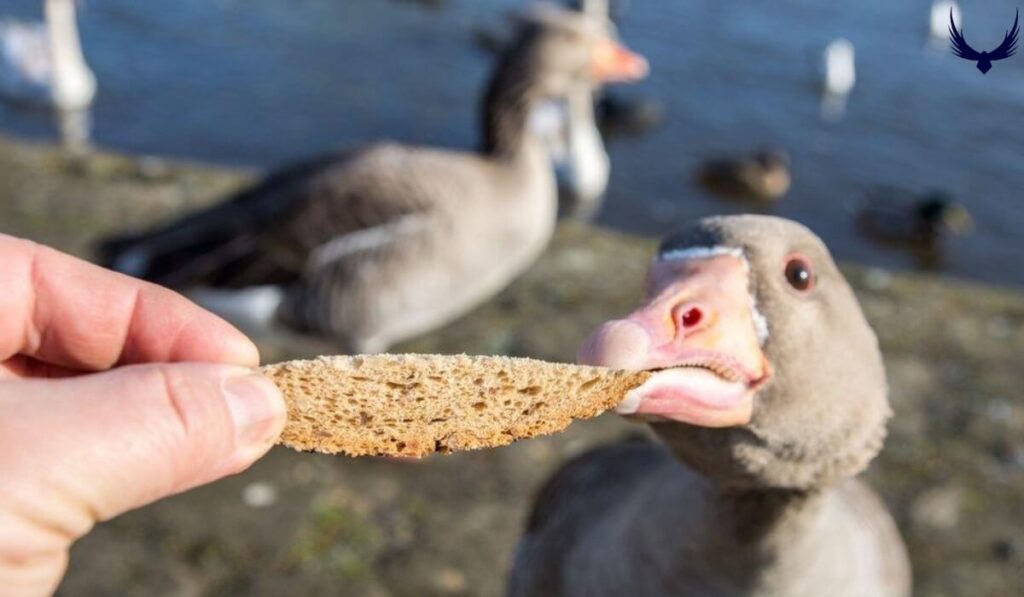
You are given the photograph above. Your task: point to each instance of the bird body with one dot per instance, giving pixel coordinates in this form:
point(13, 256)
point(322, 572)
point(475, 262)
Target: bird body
point(630, 519)
point(916, 222)
point(769, 395)
point(373, 246)
point(43, 63)
point(377, 246)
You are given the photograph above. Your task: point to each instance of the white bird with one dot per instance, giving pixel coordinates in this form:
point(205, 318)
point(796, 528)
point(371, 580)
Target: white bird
point(939, 21)
point(839, 65)
point(42, 62)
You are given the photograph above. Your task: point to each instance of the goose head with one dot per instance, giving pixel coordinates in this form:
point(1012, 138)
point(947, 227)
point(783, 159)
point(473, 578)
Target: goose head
point(555, 52)
point(768, 375)
point(563, 48)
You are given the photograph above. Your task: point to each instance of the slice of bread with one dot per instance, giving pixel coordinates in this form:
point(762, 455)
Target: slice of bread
point(412, 405)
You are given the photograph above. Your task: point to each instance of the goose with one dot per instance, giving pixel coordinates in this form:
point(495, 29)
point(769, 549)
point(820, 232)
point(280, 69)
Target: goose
point(376, 245)
point(42, 63)
point(762, 175)
point(769, 397)
point(916, 222)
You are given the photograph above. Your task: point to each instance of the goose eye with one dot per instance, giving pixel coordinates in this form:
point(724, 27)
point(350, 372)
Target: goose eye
point(799, 274)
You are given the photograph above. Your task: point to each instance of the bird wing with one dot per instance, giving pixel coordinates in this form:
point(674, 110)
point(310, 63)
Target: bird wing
point(271, 233)
point(1009, 45)
point(960, 46)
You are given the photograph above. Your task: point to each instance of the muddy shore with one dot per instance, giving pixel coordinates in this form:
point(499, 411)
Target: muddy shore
point(952, 471)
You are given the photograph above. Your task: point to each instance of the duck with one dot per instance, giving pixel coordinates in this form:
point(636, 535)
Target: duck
point(919, 222)
point(768, 396)
point(762, 175)
point(42, 63)
point(375, 245)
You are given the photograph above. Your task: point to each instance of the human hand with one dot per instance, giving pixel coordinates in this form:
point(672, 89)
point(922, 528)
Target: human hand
point(113, 393)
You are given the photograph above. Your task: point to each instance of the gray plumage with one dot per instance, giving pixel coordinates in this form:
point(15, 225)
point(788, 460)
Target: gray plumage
point(769, 508)
point(376, 245)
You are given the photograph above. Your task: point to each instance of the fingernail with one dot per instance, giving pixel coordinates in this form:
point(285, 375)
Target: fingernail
point(256, 408)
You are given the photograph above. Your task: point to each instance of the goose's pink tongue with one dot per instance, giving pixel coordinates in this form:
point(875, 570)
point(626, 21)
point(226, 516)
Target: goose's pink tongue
point(691, 395)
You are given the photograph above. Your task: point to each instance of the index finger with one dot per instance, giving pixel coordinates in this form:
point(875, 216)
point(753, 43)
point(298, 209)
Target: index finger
point(67, 312)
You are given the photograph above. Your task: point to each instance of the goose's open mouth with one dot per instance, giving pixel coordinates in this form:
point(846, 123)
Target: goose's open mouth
point(700, 332)
point(709, 389)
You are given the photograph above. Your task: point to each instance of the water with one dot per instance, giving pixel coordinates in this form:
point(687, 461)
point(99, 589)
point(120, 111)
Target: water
point(259, 82)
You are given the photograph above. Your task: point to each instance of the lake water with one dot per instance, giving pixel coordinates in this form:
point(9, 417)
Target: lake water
point(258, 82)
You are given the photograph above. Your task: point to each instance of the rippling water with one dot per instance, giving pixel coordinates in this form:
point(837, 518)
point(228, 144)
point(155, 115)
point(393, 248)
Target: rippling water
point(257, 82)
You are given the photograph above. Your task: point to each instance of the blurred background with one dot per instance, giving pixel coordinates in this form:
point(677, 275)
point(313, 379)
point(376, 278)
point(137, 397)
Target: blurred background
point(194, 96)
point(260, 82)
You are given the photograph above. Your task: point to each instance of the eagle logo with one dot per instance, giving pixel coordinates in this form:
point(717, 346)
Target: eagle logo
point(984, 59)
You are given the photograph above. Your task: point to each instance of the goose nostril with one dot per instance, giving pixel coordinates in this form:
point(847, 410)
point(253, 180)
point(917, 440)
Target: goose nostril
point(691, 317)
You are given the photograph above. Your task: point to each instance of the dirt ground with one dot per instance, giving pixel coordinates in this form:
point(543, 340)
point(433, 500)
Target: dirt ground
point(299, 524)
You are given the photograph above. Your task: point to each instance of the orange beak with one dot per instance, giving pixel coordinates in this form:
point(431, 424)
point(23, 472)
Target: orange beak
point(700, 330)
point(612, 62)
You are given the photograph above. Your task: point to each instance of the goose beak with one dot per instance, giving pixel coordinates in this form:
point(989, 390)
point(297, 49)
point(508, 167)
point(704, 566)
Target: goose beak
point(612, 62)
point(699, 330)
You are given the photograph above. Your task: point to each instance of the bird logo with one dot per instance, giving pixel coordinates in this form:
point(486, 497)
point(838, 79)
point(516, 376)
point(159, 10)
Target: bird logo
point(984, 59)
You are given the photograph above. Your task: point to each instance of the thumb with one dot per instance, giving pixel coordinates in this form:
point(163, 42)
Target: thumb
point(78, 450)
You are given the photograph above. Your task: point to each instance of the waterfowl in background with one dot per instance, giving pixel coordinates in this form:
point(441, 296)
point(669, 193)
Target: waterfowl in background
point(377, 245)
point(771, 396)
point(838, 77)
point(762, 175)
point(918, 223)
point(42, 62)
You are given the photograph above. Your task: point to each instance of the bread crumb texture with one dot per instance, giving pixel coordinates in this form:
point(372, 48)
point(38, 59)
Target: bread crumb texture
point(412, 405)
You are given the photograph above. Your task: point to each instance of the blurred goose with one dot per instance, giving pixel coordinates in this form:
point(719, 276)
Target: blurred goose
point(380, 244)
point(917, 222)
point(769, 397)
point(762, 175)
point(43, 62)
